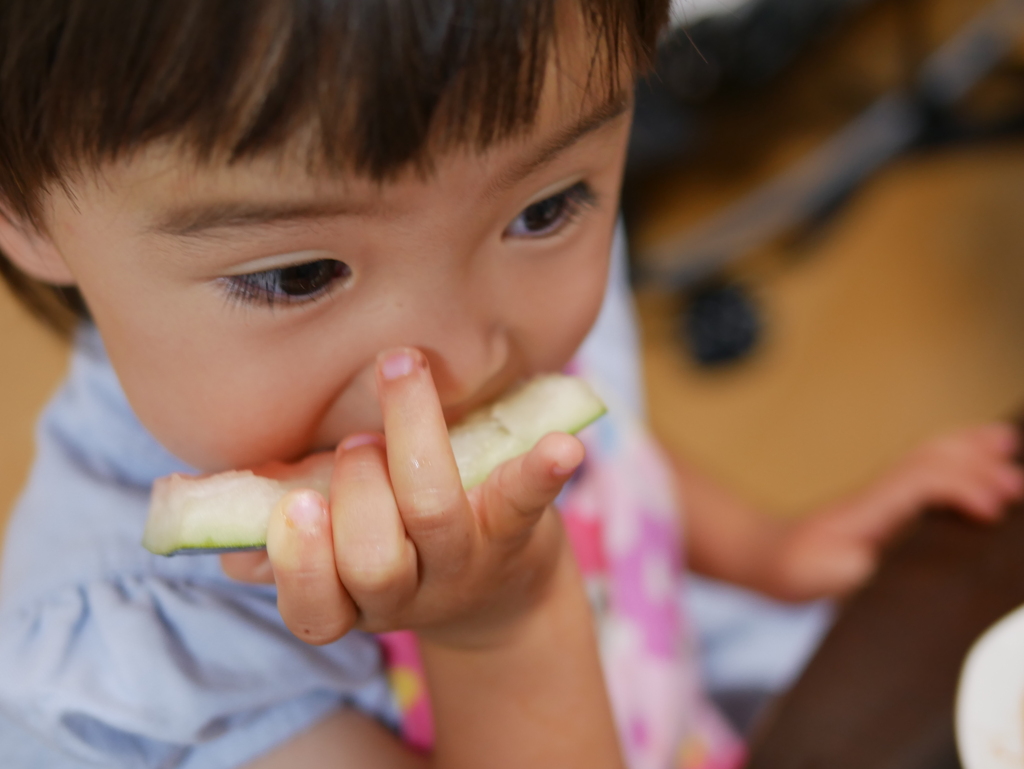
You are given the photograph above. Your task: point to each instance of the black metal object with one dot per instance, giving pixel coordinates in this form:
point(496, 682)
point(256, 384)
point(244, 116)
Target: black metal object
point(750, 48)
point(720, 323)
point(895, 123)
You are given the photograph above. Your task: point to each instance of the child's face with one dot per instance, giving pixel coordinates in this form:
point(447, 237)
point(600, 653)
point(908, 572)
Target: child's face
point(232, 355)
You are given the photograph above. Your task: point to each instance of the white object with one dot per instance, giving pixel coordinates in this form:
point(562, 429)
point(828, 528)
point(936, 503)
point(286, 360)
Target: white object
point(990, 698)
point(685, 12)
point(231, 510)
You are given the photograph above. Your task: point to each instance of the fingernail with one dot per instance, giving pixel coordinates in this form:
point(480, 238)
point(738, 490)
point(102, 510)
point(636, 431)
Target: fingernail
point(563, 471)
point(397, 365)
point(304, 510)
point(361, 439)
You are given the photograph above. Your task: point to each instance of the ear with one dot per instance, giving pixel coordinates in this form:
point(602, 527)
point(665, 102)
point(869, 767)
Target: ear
point(32, 251)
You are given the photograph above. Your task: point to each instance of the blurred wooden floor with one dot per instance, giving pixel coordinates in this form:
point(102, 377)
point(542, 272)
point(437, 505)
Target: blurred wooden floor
point(905, 316)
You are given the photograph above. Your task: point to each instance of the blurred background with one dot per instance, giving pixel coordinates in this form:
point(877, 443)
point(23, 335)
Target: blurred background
point(826, 205)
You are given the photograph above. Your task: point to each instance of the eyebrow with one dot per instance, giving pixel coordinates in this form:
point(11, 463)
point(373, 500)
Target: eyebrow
point(201, 219)
point(597, 118)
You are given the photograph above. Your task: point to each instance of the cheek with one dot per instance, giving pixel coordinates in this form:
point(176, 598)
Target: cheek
point(213, 410)
point(562, 308)
point(216, 390)
point(233, 398)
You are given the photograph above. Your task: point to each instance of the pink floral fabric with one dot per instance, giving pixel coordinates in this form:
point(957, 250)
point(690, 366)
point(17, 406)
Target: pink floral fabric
point(620, 513)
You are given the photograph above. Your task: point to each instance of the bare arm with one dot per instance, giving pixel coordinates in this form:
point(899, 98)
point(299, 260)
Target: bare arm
point(346, 739)
point(725, 537)
point(835, 549)
point(537, 700)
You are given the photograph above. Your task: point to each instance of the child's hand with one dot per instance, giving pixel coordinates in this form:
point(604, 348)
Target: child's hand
point(402, 545)
point(835, 551)
point(486, 579)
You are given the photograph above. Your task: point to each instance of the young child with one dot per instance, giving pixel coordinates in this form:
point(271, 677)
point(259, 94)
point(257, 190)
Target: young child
point(290, 225)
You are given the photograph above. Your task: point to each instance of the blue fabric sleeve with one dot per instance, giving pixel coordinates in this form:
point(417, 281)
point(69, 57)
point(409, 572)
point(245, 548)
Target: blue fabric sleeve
point(146, 672)
point(117, 657)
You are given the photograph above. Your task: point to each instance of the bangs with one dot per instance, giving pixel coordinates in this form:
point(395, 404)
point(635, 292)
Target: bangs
point(363, 85)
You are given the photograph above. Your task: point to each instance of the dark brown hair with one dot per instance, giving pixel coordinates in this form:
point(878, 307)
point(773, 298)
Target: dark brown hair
point(367, 84)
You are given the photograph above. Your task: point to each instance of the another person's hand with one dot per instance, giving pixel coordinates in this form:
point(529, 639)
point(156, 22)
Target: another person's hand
point(401, 545)
point(834, 551)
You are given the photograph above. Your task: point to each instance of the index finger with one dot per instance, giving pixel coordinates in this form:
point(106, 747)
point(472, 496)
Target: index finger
point(424, 476)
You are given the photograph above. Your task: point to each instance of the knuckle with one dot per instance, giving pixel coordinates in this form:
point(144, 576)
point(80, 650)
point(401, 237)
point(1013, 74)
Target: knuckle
point(299, 576)
point(376, 576)
point(429, 507)
point(373, 583)
point(363, 463)
point(517, 494)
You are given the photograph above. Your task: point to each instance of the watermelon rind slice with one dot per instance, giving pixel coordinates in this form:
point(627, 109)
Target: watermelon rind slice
point(230, 511)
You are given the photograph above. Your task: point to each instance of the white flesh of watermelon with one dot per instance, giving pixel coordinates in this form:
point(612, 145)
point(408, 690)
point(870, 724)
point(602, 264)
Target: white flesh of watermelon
point(230, 511)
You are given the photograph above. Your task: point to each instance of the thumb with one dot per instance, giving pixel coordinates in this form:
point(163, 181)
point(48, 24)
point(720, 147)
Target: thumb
point(516, 494)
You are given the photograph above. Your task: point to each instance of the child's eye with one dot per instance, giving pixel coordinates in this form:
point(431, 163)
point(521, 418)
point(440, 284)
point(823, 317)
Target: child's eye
point(545, 217)
point(296, 283)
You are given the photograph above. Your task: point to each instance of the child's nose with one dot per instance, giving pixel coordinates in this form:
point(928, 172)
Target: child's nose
point(469, 365)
